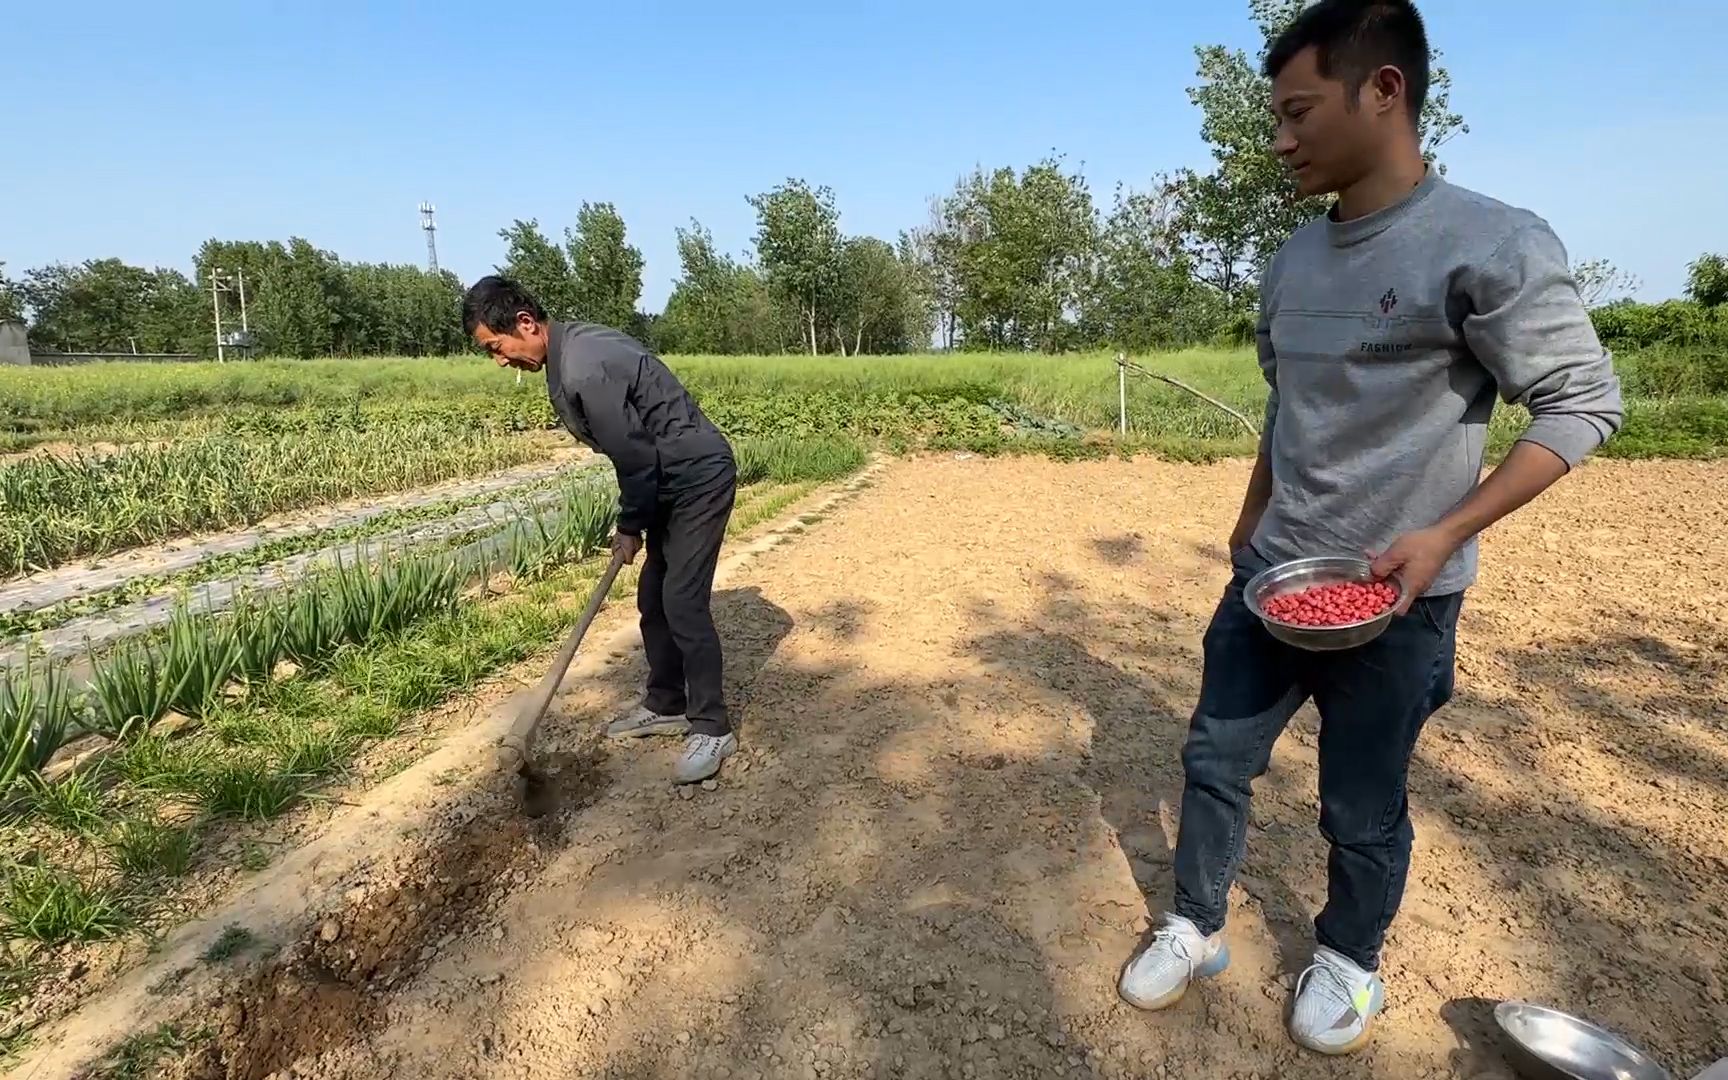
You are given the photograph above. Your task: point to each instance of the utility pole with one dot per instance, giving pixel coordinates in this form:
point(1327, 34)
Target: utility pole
point(431, 228)
point(216, 306)
point(219, 284)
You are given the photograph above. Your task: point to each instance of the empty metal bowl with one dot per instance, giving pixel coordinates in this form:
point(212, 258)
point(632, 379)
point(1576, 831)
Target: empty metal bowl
point(1299, 574)
point(1547, 1044)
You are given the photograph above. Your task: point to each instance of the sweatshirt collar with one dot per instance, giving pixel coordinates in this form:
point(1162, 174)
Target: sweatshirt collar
point(554, 345)
point(1356, 230)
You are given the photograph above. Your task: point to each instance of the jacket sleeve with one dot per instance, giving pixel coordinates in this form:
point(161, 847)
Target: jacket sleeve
point(1529, 328)
point(608, 391)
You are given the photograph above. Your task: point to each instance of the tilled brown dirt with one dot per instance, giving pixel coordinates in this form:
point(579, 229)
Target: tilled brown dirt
point(962, 700)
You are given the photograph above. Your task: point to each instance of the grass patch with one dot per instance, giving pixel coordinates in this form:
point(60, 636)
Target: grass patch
point(156, 764)
point(788, 460)
point(54, 906)
point(245, 786)
point(74, 804)
point(262, 395)
point(766, 505)
point(964, 399)
point(312, 752)
point(142, 1055)
point(234, 940)
point(1688, 427)
point(142, 850)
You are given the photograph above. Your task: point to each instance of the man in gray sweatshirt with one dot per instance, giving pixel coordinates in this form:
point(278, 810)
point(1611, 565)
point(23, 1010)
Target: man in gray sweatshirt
point(676, 483)
point(1388, 327)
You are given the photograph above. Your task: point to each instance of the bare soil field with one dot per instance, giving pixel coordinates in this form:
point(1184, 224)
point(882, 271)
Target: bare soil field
point(962, 698)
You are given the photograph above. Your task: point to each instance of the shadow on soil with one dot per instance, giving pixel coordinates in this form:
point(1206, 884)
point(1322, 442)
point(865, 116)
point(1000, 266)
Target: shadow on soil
point(1565, 881)
point(1120, 550)
point(1139, 700)
point(876, 913)
point(1607, 919)
point(831, 968)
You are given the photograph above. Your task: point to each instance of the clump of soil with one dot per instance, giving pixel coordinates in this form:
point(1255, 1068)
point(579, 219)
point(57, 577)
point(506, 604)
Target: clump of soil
point(329, 988)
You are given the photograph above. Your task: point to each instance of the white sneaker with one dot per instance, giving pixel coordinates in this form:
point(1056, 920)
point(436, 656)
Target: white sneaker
point(642, 721)
point(1336, 1003)
point(703, 755)
point(1179, 953)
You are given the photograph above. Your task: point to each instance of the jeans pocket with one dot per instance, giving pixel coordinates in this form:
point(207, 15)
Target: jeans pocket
point(1436, 611)
point(1245, 563)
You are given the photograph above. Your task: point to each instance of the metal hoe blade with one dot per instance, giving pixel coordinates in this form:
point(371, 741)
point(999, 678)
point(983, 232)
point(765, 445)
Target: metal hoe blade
point(515, 747)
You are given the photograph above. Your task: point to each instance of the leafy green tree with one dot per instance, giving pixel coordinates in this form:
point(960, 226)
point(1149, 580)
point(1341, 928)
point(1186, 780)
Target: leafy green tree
point(249, 262)
point(928, 253)
point(400, 310)
point(541, 267)
point(699, 312)
point(1144, 294)
point(922, 292)
point(606, 270)
point(875, 308)
point(172, 319)
point(1601, 282)
point(798, 241)
point(718, 306)
point(11, 298)
point(1236, 217)
point(1019, 247)
point(106, 305)
point(1707, 280)
point(302, 301)
point(1225, 241)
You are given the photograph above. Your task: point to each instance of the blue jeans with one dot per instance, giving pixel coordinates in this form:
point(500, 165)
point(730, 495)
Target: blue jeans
point(1373, 701)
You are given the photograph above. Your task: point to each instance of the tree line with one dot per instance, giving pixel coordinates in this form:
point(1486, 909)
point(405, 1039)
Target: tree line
point(299, 301)
point(1010, 258)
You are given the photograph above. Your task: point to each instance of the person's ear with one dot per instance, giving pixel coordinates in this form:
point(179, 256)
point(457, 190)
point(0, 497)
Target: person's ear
point(526, 324)
point(1387, 86)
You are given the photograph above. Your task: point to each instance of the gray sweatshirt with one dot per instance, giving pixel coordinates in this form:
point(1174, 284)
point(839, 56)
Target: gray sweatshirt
point(1386, 339)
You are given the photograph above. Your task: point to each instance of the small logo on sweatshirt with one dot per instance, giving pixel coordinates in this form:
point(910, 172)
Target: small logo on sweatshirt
point(1389, 301)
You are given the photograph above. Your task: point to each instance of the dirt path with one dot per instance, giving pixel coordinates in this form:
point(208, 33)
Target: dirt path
point(962, 699)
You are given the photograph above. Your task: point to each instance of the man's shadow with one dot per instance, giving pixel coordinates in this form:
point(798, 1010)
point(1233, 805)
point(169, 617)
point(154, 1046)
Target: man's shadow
point(1140, 703)
point(573, 751)
point(752, 628)
point(1481, 1048)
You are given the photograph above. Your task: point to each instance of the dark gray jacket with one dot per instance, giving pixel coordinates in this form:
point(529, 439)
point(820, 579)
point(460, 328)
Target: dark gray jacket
point(620, 400)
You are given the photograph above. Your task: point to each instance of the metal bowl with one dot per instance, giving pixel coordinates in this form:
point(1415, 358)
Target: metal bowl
point(1299, 574)
point(1547, 1044)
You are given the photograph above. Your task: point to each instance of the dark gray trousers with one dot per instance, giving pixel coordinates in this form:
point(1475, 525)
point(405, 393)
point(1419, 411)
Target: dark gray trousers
point(685, 669)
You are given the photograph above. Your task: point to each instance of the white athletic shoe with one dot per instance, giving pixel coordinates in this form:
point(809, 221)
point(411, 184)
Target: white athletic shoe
point(1336, 1003)
point(1179, 953)
point(642, 721)
point(703, 755)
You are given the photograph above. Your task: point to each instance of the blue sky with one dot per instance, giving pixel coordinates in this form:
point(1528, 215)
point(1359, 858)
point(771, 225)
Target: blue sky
point(140, 130)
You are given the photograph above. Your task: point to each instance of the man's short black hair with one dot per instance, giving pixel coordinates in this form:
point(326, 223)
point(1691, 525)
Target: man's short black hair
point(493, 302)
point(1353, 39)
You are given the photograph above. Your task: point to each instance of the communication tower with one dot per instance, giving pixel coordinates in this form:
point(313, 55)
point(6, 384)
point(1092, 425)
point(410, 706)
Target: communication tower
point(431, 228)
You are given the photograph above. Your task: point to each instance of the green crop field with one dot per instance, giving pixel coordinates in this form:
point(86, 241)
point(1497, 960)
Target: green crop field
point(985, 402)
